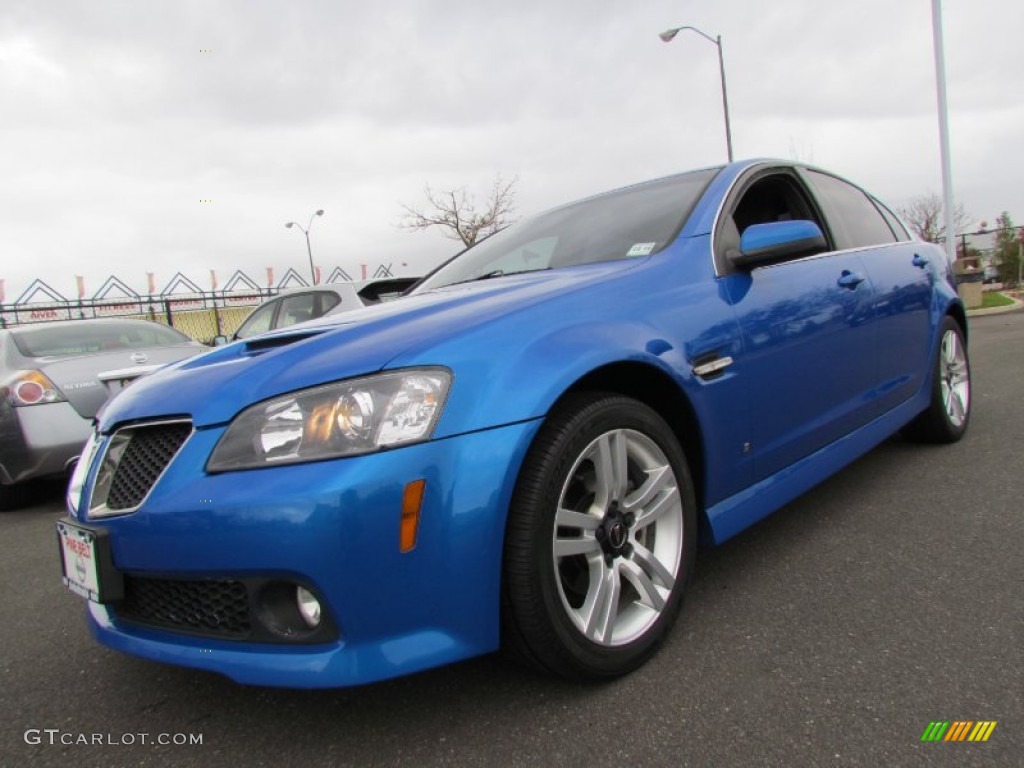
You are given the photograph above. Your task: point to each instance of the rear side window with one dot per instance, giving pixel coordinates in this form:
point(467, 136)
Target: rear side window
point(328, 301)
point(856, 222)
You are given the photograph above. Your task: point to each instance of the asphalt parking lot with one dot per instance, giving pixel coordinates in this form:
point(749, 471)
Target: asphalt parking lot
point(831, 634)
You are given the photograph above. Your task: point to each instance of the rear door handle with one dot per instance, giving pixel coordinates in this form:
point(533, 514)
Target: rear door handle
point(849, 280)
point(919, 260)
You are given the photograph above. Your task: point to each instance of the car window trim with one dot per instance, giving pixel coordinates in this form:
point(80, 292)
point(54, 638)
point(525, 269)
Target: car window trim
point(891, 218)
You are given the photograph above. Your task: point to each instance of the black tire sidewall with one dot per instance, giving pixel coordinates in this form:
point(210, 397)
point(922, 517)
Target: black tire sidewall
point(568, 431)
point(933, 425)
point(950, 432)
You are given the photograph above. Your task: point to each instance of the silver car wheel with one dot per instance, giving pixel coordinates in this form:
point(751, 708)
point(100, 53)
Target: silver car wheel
point(955, 382)
point(617, 543)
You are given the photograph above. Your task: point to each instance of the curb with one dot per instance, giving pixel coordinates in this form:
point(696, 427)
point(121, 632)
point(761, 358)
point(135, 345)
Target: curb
point(1017, 305)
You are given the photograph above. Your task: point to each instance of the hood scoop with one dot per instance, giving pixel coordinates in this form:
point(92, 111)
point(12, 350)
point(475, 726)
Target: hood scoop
point(265, 343)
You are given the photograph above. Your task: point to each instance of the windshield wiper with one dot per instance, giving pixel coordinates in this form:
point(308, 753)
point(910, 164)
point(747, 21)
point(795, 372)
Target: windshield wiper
point(498, 273)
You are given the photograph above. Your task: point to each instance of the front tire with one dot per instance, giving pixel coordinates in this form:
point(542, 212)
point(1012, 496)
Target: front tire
point(600, 540)
point(947, 415)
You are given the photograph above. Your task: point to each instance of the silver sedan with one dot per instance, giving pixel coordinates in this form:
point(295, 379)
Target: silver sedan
point(53, 379)
point(300, 304)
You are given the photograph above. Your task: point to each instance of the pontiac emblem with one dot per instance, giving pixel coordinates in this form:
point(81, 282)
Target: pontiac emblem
point(617, 535)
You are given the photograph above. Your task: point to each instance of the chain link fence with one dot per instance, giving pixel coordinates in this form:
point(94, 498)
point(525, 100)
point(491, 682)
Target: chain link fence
point(201, 316)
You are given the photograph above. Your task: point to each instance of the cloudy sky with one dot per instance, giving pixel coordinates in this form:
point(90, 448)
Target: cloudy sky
point(120, 119)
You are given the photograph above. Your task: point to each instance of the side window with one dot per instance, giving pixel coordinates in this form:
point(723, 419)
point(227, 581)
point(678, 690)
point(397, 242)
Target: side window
point(775, 197)
point(295, 309)
point(856, 222)
point(258, 321)
point(328, 301)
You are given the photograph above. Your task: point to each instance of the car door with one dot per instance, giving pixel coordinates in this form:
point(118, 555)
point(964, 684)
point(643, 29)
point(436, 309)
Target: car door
point(807, 328)
point(902, 279)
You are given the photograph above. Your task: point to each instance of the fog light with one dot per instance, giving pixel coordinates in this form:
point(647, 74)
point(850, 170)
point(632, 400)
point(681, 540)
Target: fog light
point(309, 607)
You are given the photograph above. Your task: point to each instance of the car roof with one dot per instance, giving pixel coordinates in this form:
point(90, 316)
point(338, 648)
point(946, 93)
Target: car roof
point(339, 288)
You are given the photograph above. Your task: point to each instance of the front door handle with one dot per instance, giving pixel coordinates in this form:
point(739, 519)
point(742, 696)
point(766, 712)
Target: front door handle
point(919, 260)
point(849, 280)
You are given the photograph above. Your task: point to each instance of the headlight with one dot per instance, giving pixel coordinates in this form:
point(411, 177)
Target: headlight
point(342, 419)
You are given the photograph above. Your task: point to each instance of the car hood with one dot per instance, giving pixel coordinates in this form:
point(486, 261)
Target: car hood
point(78, 377)
point(212, 388)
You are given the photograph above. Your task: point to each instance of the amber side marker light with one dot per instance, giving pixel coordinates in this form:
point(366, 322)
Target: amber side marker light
point(412, 502)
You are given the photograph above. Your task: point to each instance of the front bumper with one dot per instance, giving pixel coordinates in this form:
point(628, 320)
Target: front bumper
point(39, 440)
point(335, 526)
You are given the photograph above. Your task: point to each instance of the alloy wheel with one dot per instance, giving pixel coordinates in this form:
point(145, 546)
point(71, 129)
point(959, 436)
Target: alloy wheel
point(955, 380)
point(617, 543)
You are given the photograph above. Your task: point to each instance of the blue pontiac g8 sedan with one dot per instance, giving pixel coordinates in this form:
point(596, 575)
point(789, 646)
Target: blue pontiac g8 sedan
point(523, 451)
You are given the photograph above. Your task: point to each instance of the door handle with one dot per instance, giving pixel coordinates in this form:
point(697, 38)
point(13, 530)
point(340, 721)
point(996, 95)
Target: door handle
point(849, 280)
point(919, 260)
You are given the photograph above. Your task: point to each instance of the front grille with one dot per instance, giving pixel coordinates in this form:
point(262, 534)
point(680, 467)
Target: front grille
point(147, 454)
point(210, 607)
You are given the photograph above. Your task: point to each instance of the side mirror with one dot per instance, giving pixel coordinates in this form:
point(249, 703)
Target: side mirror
point(777, 240)
point(220, 341)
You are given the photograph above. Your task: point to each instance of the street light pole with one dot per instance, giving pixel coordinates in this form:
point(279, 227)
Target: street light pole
point(940, 89)
point(667, 37)
point(725, 98)
point(309, 249)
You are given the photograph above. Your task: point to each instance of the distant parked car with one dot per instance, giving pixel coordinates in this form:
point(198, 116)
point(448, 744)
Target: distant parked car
point(53, 379)
point(300, 304)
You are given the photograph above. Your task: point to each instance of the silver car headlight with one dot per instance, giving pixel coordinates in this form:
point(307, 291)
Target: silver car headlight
point(342, 419)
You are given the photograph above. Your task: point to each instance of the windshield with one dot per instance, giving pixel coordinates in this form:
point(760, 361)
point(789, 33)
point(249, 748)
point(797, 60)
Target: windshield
point(88, 338)
point(628, 223)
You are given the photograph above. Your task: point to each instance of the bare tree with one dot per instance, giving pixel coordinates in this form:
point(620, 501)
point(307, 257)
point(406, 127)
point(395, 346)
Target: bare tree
point(924, 215)
point(455, 211)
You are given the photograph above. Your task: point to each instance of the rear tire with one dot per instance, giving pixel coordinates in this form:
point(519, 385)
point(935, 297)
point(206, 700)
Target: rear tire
point(947, 415)
point(13, 497)
point(600, 540)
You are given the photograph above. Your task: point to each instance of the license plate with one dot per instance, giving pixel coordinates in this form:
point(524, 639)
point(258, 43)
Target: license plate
point(116, 385)
point(86, 564)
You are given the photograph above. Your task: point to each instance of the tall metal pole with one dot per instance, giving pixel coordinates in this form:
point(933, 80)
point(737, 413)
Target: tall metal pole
point(309, 250)
point(725, 98)
point(669, 34)
point(940, 86)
